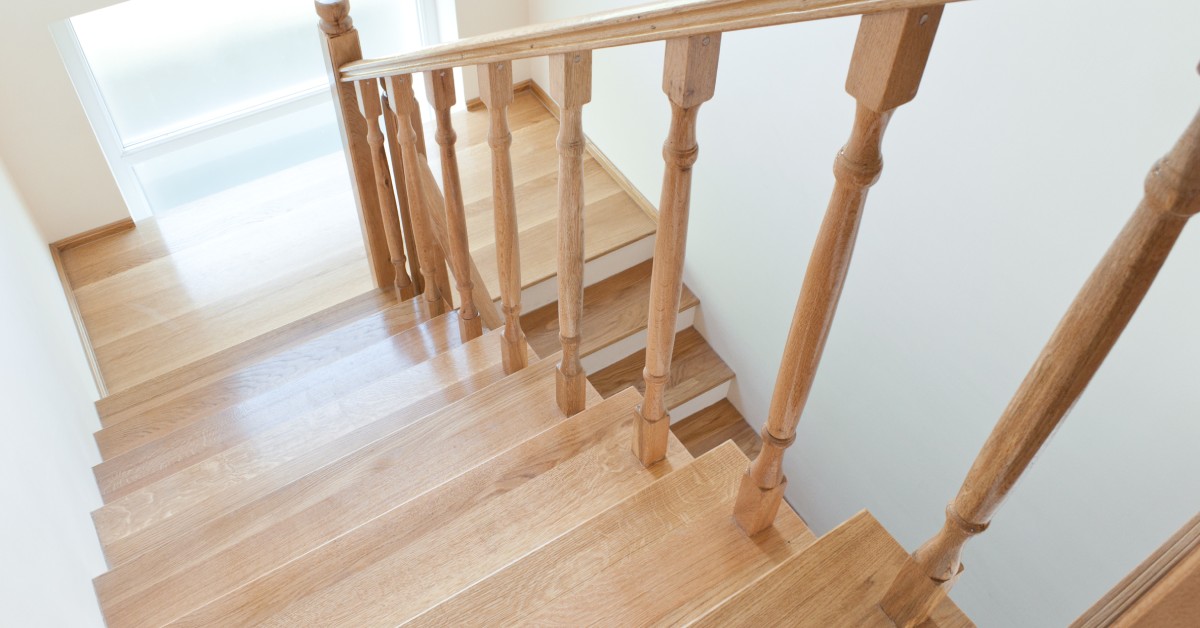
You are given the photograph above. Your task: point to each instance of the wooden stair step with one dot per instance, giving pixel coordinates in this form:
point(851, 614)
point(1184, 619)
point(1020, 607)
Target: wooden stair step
point(695, 369)
point(714, 425)
point(838, 581)
point(258, 364)
point(196, 563)
point(423, 551)
point(613, 309)
point(306, 432)
point(663, 556)
point(296, 414)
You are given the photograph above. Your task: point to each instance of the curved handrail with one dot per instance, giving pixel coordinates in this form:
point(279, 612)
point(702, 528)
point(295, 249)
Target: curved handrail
point(633, 25)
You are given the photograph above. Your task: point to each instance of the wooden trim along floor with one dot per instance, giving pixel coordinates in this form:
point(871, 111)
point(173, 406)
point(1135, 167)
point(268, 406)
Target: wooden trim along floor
point(56, 249)
point(605, 163)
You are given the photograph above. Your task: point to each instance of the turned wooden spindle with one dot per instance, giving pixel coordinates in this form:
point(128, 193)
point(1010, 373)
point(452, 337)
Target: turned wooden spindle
point(496, 92)
point(410, 241)
point(1070, 358)
point(439, 86)
point(689, 80)
point(369, 105)
point(571, 88)
point(404, 105)
point(885, 71)
point(341, 47)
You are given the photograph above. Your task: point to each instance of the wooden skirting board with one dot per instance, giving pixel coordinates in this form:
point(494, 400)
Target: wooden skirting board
point(56, 249)
point(625, 184)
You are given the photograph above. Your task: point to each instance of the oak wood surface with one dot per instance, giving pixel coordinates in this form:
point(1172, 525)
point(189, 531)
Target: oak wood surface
point(613, 309)
point(596, 574)
point(619, 27)
point(439, 87)
point(341, 46)
point(1119, 604)
point(196, 494)
point(416, 554)
point(838, 581)
point(689, 80)
point(714, 425)
point(226, 552)
point(267, 360)
point(571, 87)
point(496, 92)
point(401, 189)
point(885, 70)
point(371, 109)
point(695, 369)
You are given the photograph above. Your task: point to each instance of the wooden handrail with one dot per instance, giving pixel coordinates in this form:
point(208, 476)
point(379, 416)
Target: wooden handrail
point(653, 22)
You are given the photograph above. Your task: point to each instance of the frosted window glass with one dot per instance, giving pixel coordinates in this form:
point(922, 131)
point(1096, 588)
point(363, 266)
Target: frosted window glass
point(163, 65)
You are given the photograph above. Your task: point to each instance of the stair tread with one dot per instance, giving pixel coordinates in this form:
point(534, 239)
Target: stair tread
point(249, 540)
point(407, 560)
point(302, 440)
point(838, 581)
point(613, 309)
point(265, 360)
point(662, 556)
point(714, 425)
point(695, 369)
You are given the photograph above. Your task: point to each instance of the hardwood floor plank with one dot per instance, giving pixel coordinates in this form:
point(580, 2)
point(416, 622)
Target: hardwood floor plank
point(695, 370)
point(289, 417)
point(177, 505)
point(676, 534)
point(266, 360)
point(838, 581)
point(612, 309)
point(321, 505)
point(714, 425)
point(405, 561)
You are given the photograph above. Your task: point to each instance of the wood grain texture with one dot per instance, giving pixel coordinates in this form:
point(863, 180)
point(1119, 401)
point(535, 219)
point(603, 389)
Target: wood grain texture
point(714, 425)
point(77, 317)
point(496, 92)
point(432, 545)
point(371, 109)
point(149, 423)
point(696, 369)
point(92, 235)
point(396, 160)
point(689, 80)
point(1118, 605)
point(838, 581)
point(246, 369)
point(571, 86)
point(341, 46)
point(408, 114)
point(620, 27)
point(191, 496)
point(226, 552)
point(1072, 355)
point(1173, 602)
point(888, 59)
point(439, 87)
point(270, 424)
point(613, 309)
point(597, 573)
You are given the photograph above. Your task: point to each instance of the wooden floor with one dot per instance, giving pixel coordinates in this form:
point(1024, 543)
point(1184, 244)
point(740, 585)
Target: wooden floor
point(235, 265)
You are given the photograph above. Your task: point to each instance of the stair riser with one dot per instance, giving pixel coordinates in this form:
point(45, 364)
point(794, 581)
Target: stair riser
point(545, 292)
point(633, 343)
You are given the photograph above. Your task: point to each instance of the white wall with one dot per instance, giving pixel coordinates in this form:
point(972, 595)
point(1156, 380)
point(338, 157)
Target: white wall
point(476, 17)
point(48, 547)
point(1005, 181)
point(45, 139)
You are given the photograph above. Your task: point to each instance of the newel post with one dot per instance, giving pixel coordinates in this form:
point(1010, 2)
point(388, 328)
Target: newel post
point(342, 47)
point(689, 80)
point(1078, 346)
point(885, 71)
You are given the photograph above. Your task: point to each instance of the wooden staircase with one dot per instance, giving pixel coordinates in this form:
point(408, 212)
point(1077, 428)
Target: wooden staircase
point(392, 461)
